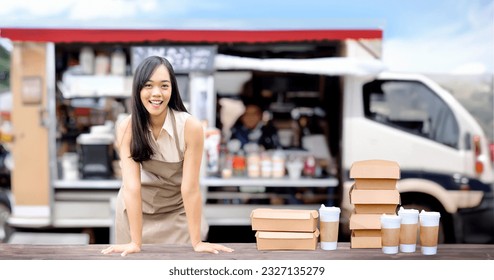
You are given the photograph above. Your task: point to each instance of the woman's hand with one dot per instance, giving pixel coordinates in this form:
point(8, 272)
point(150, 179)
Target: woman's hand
point(211, 248)
point(125, 249)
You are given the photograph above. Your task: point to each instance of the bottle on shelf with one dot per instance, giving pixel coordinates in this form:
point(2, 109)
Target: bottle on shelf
point(118, 62)
point(310, 166)
point(86, 60)
point(101, 64)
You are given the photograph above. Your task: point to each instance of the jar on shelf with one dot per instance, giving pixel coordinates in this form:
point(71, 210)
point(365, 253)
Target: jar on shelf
point(266, 165)
point(118, 62)
point(310, 166)
point(278, 161)
point(253, 160)
point(238, 164)
point(101, 64)
point(86, 60)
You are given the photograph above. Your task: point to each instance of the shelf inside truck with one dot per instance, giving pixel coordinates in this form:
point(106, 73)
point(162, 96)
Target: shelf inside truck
point(87, 184)
point(270, 182)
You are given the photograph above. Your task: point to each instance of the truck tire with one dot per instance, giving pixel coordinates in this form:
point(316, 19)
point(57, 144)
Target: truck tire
point(4, 215)
point(4, 230)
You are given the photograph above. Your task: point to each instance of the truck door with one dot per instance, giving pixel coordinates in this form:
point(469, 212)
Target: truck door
point(30, 80)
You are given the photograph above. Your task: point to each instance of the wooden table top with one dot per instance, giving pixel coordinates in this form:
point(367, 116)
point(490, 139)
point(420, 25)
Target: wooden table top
point(243, 251)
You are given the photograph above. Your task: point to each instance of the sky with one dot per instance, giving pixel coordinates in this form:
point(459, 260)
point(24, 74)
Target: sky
point(426, 36)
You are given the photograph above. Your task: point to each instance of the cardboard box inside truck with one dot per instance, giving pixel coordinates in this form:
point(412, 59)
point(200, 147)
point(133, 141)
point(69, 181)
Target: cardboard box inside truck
point(265, 219)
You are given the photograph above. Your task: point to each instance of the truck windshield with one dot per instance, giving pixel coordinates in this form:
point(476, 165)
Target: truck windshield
point(411, 107)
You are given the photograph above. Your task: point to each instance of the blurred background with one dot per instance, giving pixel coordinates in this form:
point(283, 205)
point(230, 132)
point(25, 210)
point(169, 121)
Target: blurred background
point(450, 42)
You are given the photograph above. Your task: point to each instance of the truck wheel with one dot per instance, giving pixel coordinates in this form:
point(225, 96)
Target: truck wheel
point(4, 230)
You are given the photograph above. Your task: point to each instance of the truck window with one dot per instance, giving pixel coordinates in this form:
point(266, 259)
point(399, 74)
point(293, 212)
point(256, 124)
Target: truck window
point(412, 107)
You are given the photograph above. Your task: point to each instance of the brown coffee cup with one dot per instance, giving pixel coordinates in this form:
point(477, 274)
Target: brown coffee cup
point(429, 232)
point(408, 230)
point(390, 233)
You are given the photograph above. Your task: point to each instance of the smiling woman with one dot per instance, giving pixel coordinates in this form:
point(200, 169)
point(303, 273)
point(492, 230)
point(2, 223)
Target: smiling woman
point(159, 201)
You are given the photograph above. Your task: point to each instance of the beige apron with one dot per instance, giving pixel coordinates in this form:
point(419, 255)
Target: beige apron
point(163, 213)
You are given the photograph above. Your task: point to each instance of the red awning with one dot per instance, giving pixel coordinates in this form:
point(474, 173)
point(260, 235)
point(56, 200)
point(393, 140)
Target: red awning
point(183, 36)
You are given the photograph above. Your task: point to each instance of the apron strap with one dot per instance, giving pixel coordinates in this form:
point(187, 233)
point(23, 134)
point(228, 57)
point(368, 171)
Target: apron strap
point(175, 134)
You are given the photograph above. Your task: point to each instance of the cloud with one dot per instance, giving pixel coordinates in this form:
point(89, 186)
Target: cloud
point(474, 68)
point(113, 13)
point(35, 7)
point(113, 9)
point(457, 47)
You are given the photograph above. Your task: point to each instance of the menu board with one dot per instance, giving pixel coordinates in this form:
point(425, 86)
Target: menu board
point(184, 59)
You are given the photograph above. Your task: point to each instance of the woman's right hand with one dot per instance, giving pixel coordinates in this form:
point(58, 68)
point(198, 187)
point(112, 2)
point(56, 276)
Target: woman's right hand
point(125, 249)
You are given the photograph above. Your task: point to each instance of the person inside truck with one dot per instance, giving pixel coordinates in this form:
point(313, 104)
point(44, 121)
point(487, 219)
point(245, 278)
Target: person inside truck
point(160, 147)
point(250, 128)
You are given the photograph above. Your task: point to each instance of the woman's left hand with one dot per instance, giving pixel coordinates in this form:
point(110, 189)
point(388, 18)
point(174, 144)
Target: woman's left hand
point(211, 248)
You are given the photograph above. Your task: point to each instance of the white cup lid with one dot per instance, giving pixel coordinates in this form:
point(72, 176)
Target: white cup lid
point(331, 209)
point(329, 214)
point(408, 216)
point(390, 221)
point(429, 218)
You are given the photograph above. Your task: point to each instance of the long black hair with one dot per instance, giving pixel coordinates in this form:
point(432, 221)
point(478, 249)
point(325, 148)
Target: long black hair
point(140, 145)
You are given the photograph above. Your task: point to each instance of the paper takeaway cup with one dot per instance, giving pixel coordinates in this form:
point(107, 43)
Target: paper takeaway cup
point(408, 230)
point(390, 233)
point(429, 232)
point(329, 218)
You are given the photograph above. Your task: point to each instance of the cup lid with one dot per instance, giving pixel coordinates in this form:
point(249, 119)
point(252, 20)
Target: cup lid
point(430, 214)
point(407, 211)
point(390, 221)
point(329, 209)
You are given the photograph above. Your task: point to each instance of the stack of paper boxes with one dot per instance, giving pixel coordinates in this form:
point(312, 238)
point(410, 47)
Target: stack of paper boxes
point(374, 193)
point(285, 229)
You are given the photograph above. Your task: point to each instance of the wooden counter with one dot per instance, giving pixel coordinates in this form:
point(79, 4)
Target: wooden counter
point(243, 251)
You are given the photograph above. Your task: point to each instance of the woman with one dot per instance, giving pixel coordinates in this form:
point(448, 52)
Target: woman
point(160, 200)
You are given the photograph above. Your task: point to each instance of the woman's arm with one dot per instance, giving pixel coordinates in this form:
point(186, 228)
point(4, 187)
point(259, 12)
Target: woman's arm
point(131, 178)
point(194, 143)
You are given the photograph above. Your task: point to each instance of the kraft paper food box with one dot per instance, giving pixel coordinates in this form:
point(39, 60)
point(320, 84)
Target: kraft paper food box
point(366, 231)
point(365, 221)
point(287, 220)
point(375, 201)
point(276, 240)
point(375, 174)
point(365, 239)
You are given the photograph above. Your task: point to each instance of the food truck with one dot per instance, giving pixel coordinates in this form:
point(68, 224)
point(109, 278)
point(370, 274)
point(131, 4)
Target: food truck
point(70, 87)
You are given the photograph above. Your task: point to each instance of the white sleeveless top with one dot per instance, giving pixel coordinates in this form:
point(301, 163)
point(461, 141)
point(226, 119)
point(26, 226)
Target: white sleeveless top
point(166, 148)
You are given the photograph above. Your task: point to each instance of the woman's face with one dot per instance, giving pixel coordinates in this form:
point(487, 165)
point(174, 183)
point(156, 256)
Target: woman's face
point(156, 92)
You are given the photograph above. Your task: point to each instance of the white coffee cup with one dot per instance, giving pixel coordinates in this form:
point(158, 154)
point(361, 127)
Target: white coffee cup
point(408, 230)
point(294, 169)
point(390, 233)
point(429, 232)
point(329, 222)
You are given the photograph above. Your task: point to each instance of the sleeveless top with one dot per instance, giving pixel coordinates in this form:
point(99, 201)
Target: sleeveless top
point(164, 219)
